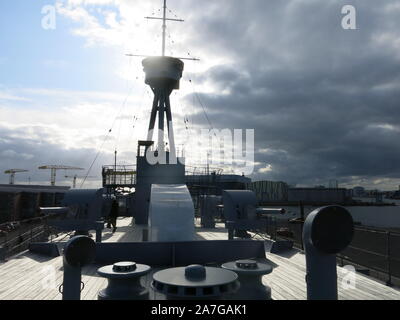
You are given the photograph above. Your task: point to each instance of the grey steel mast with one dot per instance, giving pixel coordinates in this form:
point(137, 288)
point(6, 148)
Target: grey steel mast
point(163, 75)
point(159, 166)
point(164, 26)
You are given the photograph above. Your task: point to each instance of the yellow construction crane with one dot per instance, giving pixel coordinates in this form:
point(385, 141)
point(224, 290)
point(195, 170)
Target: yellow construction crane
point(12, 173)
point(75, 177)
point(54, 169)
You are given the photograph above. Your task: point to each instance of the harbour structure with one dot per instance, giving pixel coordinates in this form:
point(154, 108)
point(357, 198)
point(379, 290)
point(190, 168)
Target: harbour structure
point(204, 182)
point(333, 184)
point(280, 193)
point(269, 191)
point(358, 191)
point(53, 171)
point(215, 180)
point(12, 173)
point(309, 195)
point(18, 202)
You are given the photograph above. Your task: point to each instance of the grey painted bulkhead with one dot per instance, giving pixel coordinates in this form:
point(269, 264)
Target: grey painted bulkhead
point(148, 174)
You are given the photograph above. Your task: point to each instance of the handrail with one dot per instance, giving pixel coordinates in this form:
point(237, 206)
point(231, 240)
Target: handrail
point(377, 230)
point(21, 238)
point(26, 241)
point(19, 222)
point(17, 237)
point(381, 258)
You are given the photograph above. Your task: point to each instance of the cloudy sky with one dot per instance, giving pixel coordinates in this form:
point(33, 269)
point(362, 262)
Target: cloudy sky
point(323, 101)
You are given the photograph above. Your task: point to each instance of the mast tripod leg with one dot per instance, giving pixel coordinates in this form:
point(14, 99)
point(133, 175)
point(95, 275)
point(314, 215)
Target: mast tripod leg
point(153, 116)
point(170, 128)
point(161, 111)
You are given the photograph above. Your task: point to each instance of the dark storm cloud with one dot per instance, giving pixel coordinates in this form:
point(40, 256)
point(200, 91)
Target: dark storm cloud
point(322, 100)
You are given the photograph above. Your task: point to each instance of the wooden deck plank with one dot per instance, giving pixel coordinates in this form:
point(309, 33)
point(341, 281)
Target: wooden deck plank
point(20, 278)
point(292, 270)
point(18, 273)
point(28, 279)
point(37, 291)
point(35, 286)
point(50, 293)
point(16, 262)
point(290, 287)
point(99, 284)
point(366, 288)
point(93, 282)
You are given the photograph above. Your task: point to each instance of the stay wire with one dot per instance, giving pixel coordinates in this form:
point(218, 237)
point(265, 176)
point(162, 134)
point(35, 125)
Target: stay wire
point(120, 119)
point(202, 105)
point(104, 141)
point(95, 158)
point(137, 114)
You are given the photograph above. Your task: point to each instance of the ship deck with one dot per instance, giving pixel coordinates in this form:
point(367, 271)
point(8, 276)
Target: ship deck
point(29, 276)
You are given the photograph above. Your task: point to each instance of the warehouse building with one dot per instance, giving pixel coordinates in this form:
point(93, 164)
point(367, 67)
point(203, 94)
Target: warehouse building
point(19, 202)
point(269, 191)
point(317, 195)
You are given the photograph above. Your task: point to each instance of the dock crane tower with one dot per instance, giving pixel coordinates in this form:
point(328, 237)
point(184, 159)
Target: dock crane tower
point(12, 173)
point(54, 169)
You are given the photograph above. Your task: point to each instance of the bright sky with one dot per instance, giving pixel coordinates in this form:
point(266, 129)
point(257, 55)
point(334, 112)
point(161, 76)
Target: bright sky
point(323, 100)
point(70, 85)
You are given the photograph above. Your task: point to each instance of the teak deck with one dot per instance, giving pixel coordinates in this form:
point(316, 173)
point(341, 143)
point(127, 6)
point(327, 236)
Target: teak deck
point(29, 276)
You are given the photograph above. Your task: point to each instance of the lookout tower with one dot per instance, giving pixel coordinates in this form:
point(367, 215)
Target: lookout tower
point(162, 75)
point(157, 164)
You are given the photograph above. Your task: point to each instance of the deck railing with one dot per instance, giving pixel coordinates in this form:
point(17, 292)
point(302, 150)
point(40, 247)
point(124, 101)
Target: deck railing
point(372, 250)
point(120, 175)
point(15, 237)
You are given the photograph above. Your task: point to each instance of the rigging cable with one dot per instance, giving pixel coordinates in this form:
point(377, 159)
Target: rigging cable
point(120, 116)
point(95, 158)
point(104, 141)
point(196, 95)
point(202, 106)
point(137, 116)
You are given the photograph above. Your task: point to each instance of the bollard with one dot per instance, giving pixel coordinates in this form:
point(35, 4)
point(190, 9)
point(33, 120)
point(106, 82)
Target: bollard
point(195, 282)
point(124, 281)
point(250, 274)
point(78, 252)
point(327, 231)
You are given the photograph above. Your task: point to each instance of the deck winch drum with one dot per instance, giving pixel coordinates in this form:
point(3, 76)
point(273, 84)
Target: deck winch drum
point(195, 282)
point(250, 274)
point(124, 281)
